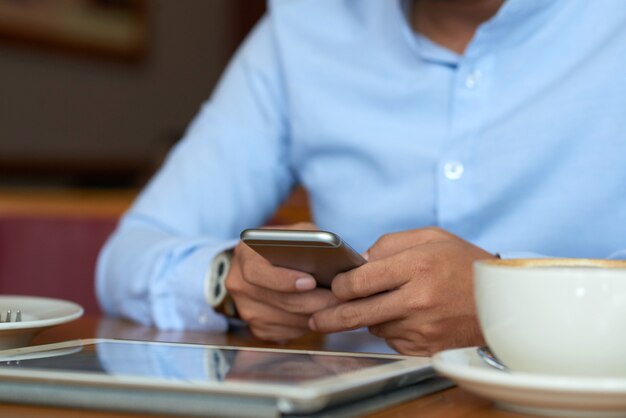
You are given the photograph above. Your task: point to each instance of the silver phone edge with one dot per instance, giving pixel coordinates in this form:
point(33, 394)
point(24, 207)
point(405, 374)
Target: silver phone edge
point(291, 235)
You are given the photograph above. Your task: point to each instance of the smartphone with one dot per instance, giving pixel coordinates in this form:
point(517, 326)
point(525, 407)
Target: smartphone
point(319, 253)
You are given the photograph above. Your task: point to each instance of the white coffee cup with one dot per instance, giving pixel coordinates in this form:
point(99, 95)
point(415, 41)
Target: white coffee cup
point(554, 316)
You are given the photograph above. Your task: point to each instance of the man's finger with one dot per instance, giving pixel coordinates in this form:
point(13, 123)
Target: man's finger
point(390, 244)
point(259, 314)
point(258, 271)
point(278, 333)
point(371, 278)
point(359, 313)
point(297, 303)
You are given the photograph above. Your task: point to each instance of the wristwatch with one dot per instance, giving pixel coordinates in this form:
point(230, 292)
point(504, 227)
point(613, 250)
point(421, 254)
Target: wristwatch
point(215, 290)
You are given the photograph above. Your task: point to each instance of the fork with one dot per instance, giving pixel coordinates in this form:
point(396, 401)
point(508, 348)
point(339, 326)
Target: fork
point(18, 316)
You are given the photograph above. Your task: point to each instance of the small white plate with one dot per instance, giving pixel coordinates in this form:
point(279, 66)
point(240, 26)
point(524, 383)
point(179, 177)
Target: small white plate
point(37, 314)
point(558, 396)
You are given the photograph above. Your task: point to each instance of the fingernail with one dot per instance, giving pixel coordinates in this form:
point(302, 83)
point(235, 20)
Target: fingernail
point(366, 255)
point(312, 325)
point(305, 283)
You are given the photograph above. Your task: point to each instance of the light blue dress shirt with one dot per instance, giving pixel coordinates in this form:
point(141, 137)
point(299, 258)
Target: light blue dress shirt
point(518, 145)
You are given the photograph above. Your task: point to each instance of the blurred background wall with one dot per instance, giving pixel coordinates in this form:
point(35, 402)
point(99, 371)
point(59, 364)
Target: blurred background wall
point(86, 115)
point(71, 116)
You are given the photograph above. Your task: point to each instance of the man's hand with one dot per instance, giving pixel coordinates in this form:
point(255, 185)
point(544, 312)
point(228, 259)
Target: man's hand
point(416, 292)
point(275, 302)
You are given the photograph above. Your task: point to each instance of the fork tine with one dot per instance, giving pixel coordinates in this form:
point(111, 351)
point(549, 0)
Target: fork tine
point(8, 317)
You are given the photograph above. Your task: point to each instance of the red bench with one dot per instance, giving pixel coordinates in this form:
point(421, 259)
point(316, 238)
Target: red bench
point(49, 241)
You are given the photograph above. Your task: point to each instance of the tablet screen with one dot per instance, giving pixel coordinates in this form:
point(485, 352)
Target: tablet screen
point(195, 363)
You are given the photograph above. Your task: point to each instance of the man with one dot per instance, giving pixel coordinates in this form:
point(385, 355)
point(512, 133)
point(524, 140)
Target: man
point(429, 133)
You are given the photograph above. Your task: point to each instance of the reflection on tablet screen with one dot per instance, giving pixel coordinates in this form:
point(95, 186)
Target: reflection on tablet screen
point(201, 363)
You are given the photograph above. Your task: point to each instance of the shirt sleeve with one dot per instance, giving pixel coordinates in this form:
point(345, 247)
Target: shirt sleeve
point(228, 173)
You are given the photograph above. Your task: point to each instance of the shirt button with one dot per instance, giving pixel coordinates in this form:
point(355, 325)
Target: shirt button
point(472, 79)
point(453, 170)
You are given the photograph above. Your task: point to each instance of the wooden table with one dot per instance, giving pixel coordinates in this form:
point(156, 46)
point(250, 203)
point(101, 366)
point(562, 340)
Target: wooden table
point(451, 403)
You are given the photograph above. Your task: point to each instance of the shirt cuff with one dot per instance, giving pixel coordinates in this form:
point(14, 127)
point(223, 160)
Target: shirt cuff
point(180, 302)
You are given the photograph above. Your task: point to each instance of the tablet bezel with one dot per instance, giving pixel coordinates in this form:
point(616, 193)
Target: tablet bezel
point(292, 397)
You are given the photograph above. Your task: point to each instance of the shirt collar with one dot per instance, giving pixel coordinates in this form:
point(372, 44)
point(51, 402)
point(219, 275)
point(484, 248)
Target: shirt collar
point(514, 22)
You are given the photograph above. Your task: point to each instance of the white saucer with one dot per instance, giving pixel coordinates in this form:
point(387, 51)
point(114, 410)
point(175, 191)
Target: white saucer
point(37, 314)
point(559, 396)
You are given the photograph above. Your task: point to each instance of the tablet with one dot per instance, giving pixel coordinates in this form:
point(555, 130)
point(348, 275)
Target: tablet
point(202, 380)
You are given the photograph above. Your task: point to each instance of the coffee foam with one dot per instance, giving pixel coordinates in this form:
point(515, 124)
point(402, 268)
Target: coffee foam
point(557, 262)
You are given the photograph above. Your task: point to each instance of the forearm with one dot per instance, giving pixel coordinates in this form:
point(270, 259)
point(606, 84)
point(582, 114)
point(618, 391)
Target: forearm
point(155, 278)
point(227, 174)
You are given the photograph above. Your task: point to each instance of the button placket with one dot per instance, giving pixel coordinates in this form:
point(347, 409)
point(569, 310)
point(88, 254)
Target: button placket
point(453, 170)
point(473, 79)
point(469, 109)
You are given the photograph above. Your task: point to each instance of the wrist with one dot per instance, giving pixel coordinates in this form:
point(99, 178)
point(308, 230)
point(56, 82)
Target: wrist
point(215, 290)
